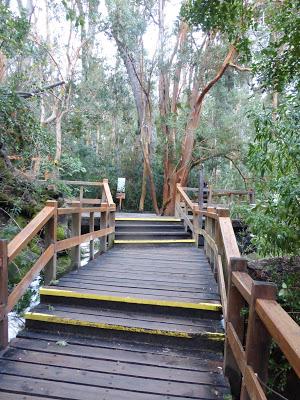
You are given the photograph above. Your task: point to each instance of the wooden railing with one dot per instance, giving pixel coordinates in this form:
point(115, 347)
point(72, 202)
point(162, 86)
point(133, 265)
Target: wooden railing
point(247, 339)
point(46, 220)
point(214, 197)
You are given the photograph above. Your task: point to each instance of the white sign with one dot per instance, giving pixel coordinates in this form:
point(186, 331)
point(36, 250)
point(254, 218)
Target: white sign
point(121, 185)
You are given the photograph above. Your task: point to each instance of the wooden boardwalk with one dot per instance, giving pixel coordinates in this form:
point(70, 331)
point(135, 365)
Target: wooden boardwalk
point(143, 320)
point(139, 322)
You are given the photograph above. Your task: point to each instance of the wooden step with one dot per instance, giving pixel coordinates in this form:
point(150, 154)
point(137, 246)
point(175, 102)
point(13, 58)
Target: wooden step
point(158, 300)
point(154, 241)
point(150, 226)
point(148, 219)
point(152, 235)
point(133, 321)
point(41, 365)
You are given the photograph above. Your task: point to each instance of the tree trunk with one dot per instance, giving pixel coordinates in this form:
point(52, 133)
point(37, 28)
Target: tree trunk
point(144, 188)
point(180, 174)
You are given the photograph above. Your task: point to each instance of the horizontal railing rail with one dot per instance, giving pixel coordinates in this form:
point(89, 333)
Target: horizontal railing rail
point(211, 196)
point(46, 220)
point(247, 339)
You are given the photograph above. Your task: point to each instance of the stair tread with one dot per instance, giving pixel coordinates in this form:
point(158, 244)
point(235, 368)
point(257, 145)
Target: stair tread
point(133, 320)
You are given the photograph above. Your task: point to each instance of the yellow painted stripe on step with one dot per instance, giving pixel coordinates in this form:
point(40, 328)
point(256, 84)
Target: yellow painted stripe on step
point(148, 219)
point(100, 325)
point(132, 300)
point(154, 241)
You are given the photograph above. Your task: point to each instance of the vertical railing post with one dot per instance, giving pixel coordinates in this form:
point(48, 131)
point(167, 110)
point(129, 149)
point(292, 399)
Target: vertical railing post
point(209, 195)
point(235, 303)
point(76, 231)
point(104, 198)
point(81, 195)
point(103, 225)
point(258, 339)
point(208, 228)
point(111, 224)
point(201, 187)
point(177, 201)
point(50, 238)
point(196, 225)
point(3, 294)
point(222, 212)
point(251, 196)
point(91, 230)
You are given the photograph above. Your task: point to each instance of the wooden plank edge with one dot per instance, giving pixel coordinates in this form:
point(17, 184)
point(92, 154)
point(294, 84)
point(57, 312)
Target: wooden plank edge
point(132, 300)
point(150, 241)
point(33, 316)
point(147, 219)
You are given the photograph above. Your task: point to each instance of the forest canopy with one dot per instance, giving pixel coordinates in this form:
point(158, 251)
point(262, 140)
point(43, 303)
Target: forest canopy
point(152, 91)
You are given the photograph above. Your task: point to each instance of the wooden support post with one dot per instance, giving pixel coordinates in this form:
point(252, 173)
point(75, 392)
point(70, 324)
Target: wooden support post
point(186, 213)
point(235, 303)
point(81, 195)
point(104, 198)
point(76, 231)
point(3, 294)
point(177, 203)
point(50, 238)
point(103, 225)
point(258, 338)
point(111, 224)
point(92, 227)
point(201, 187)
point(209, 195)
point(251, 196)
point(196, 226)
point(208, 228)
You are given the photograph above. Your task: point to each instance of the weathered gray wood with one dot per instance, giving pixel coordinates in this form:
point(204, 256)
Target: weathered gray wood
point(234, 316)
point(258, 338)
point(103, 225)
point(92, 227)
point(111, 224)
point(3, 294)
point(76, 231)
point(201, 187)
point(50, 238)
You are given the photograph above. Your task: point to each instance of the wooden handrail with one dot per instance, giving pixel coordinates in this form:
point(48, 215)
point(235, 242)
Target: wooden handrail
point(186, 198)
point(266, 320)
point(47, 220)
point(107, 192)
point(283, 329)
point(25, 236)
point(75, 183)
point(24, 284)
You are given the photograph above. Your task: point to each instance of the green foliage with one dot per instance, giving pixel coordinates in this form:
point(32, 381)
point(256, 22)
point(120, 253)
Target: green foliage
point(20, 129)
point(13, 31)
point(232, 18)
point(274, 157)
point(276, 66)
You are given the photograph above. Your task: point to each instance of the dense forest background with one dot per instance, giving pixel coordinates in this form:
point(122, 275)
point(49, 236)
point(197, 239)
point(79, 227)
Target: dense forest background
point(152, 90)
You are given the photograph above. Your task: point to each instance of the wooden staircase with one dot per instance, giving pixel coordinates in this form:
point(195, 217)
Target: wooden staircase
point(143, 320)
point(153, 310)
point(143, 230)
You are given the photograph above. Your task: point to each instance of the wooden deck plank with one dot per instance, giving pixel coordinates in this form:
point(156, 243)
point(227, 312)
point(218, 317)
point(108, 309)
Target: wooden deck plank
point(171, 301)
point(209, 360)
point(73, 391)
point(149, 317)
point(136, 291)
point(165, 358)
point(116, 367)
point(122, 291)
point(111, 381)
point(137, 320)
point(84, 370)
